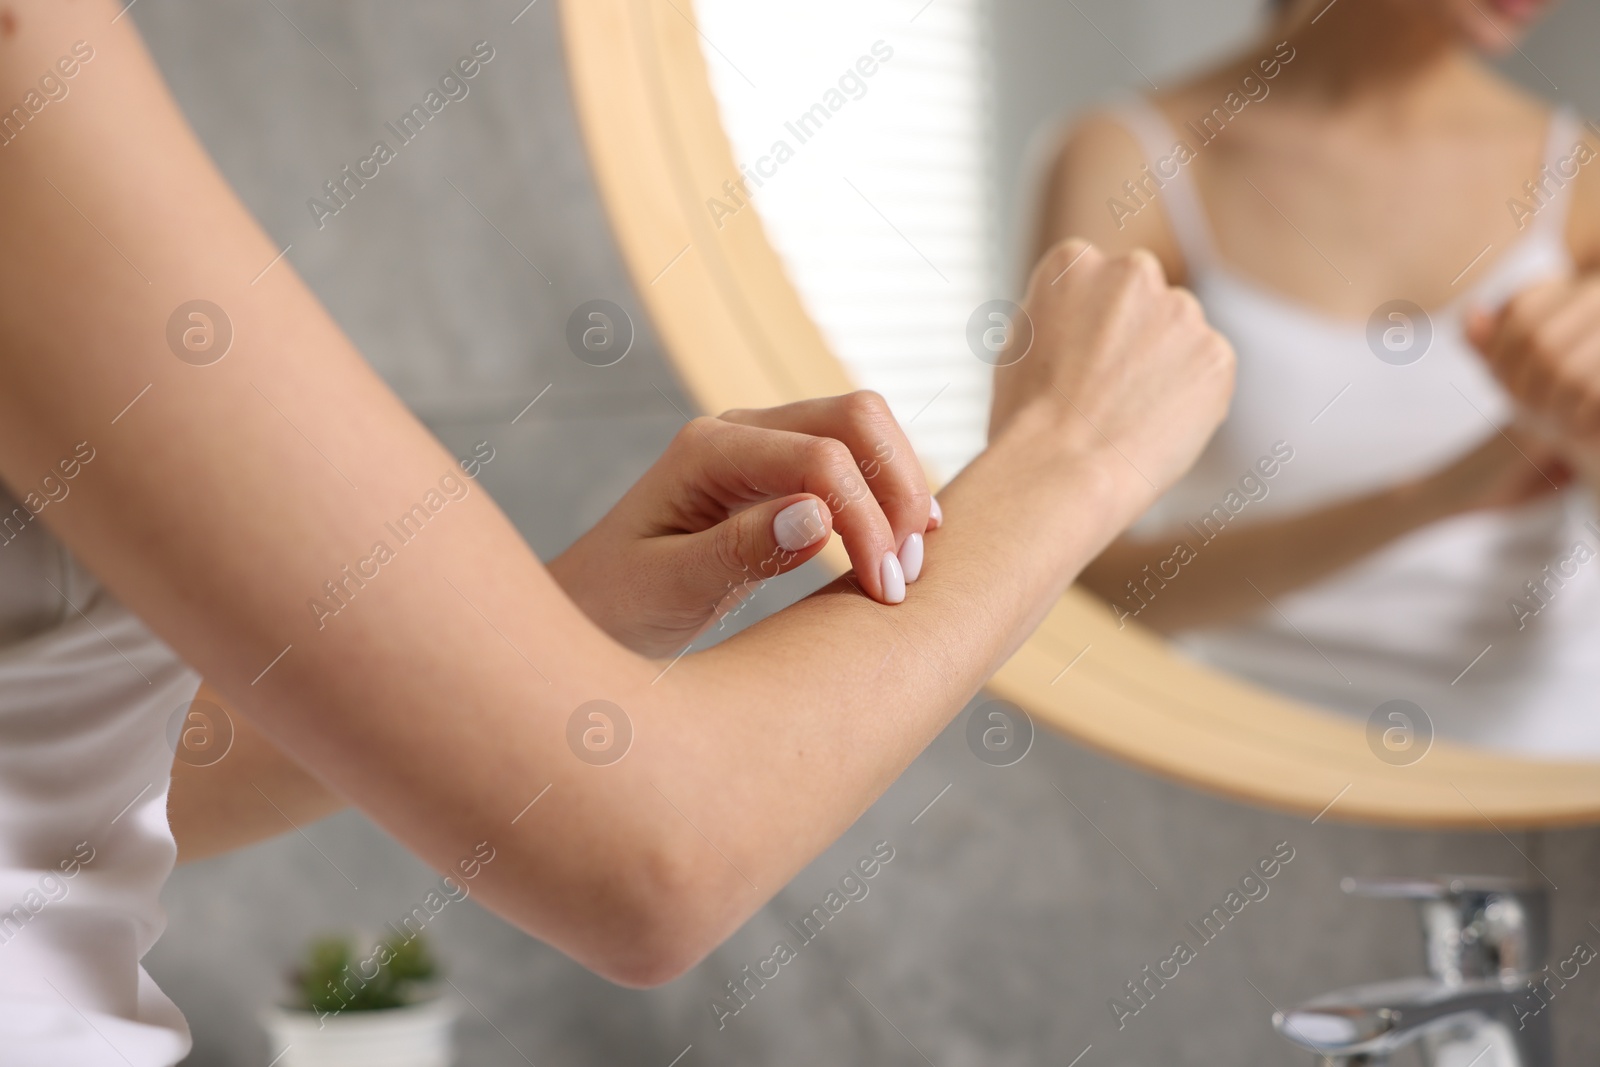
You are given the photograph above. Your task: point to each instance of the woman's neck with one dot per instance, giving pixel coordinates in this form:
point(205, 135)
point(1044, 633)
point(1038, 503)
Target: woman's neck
point(1383, 52)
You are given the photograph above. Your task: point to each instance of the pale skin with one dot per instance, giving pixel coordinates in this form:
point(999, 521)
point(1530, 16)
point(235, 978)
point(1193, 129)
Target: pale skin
point(438, 700)
point(1393, 149)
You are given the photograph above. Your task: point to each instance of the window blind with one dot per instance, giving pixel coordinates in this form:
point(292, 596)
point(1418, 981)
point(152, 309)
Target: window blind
point(860, 129)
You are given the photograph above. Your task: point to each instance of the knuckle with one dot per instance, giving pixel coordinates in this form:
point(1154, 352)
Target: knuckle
point(1221, 354)
point(1065, 251)
point(1123, 269)
point(1210, 354)
point(1062, 254)
point(696, 431)
point(731, 552)
point(829, 456)
point(1134, 282)
point(865, 406)
point(920, 499)
point(1188, 305)
point(1145, 267)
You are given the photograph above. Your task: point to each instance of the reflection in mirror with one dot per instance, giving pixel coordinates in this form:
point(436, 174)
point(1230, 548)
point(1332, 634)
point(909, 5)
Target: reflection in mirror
point(1385, 206)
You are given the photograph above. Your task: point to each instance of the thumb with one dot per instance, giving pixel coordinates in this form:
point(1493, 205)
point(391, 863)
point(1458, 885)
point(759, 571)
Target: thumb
point(768, 539)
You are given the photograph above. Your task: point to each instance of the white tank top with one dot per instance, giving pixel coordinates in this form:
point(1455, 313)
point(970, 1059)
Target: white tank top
point(86, 696)
point(1428, 618)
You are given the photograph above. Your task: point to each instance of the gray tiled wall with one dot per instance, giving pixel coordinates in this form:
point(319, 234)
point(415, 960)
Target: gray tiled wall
point(1010, 914)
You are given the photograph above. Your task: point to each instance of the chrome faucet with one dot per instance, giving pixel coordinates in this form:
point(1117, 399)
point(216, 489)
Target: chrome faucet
point(1485, 940)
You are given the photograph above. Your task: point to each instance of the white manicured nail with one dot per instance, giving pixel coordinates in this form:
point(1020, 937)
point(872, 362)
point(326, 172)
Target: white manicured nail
point(894, 579)
point(935, 513)
point(911, 558)
point(799, 526)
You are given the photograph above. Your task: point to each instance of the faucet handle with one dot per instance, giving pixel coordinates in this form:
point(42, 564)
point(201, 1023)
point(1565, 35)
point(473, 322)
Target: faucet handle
point(1395, 888)
point(1444, 887)
point(1474, 926)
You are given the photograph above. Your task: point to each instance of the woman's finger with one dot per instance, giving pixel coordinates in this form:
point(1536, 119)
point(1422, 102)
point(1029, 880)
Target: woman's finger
point(1577, 387)
point(763, 541)
point(1516, 348)
point(863, 422)
point(732, 466)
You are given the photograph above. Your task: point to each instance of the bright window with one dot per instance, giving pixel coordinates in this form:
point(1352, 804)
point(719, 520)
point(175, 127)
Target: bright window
point(864, 123)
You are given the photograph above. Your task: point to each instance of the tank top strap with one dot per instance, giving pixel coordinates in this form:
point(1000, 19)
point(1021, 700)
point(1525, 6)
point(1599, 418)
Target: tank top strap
point(1166, 158)
point(1560, 142)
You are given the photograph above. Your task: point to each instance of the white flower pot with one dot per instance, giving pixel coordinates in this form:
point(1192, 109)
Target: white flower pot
point(417, 1035)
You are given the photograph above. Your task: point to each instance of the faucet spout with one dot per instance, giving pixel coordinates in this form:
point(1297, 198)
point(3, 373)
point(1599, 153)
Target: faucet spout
point(1368, 1023)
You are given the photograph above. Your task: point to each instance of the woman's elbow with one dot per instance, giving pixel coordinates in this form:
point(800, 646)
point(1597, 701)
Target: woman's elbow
point(675, 911)
point(647, 966)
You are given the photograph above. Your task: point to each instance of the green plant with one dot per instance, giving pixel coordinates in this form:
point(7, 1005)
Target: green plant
point(334, 978)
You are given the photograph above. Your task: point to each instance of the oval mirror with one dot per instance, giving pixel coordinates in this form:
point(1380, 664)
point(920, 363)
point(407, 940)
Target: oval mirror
point(811, 198)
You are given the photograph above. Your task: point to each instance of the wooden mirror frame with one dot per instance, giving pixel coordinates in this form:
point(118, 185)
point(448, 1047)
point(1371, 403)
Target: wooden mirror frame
point(737, 335)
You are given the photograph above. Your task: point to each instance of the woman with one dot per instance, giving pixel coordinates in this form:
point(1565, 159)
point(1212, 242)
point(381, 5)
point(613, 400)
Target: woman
point(1361, 530)
point(277, 522)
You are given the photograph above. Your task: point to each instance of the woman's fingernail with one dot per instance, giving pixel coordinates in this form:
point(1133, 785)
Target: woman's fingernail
point(894, 579)
point(799, 525)
point(911, 558)
point(935, 513)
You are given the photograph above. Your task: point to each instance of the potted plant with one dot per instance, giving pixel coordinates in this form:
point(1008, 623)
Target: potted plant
point(361, 1003)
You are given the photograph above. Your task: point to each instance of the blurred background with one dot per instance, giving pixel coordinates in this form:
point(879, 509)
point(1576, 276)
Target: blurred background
point(1024, 898)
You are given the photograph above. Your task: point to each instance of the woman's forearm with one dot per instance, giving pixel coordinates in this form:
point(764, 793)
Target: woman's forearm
point(917, 667)
point(1179, 582)
point(806, 718)
point(223, 799)
point(815, 711)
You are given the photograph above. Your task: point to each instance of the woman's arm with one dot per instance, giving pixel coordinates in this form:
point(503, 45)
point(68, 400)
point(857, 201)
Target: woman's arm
point(283, 522)
point(1092, 161)
point(247, 792)
point(683, 548)
point(1206, 581)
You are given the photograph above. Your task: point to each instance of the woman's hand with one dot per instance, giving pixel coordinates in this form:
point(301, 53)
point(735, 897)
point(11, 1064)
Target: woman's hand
point(1544, 347)
point(744, 497)
point(1124, 364)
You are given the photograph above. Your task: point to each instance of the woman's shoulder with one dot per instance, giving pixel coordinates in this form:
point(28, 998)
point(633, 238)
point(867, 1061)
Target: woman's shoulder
point(1508, 114)
point(1091, 159)
point(1097, 182)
